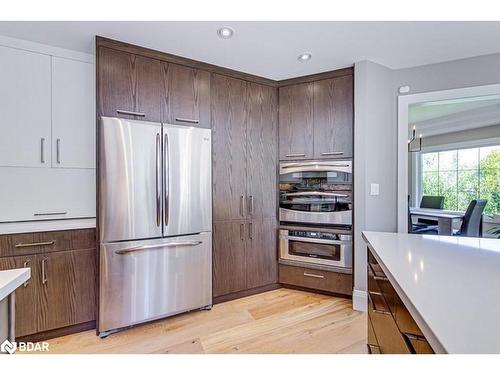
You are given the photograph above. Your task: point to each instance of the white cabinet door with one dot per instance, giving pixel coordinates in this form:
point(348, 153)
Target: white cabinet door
point(25, 124)
point(73, 114)
point(46, 193)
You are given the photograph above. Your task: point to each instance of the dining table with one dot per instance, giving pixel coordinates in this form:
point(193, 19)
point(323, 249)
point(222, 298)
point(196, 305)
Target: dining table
point(445, 218)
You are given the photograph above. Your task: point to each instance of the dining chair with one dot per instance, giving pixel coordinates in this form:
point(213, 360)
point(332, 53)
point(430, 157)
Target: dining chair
point(472, 223)
point(431, 201)
point(419, 228)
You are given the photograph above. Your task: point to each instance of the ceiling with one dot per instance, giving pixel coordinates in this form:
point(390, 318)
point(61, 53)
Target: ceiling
point(270, 49)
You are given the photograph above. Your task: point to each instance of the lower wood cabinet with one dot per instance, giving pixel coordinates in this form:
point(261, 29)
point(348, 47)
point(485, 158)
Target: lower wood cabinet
point(391, 328)
point(61, 291)
point(244, 255)
point(316, 279)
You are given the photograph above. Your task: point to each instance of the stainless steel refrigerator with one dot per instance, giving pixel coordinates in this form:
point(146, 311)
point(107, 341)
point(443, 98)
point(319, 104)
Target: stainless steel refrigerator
point(155, 221)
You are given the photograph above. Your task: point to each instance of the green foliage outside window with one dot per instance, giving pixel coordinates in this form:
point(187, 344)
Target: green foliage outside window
point(463, 175)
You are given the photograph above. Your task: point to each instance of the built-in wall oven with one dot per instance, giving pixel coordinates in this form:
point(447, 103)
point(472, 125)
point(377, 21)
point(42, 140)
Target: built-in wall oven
point(317, 247)
point(316, 193)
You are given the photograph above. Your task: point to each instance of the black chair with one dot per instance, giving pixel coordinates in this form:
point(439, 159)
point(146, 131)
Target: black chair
point(472, 224)
point(419, 229)
point(431, 201)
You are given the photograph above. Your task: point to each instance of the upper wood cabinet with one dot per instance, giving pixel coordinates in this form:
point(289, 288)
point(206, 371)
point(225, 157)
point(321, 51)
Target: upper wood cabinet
point(229, 154)
point(262, 133)
point(186, 99)
point(25, 95)
point(73, 114)
point(296, 122)
point(333, 117)
point(129, 85)
point(316, 119)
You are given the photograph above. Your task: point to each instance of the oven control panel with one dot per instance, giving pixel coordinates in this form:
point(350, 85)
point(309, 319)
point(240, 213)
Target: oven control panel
point(318, 235)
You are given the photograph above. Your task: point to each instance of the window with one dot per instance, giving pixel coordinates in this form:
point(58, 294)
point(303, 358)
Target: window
point(462, 175)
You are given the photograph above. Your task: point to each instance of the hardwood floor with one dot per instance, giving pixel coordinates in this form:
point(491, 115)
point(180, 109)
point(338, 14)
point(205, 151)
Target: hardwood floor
point(279, 321)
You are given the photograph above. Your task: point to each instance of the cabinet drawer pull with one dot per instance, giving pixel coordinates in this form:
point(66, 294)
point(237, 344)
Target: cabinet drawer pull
point(374, 308)
point(42, 150)
point(35, 244)
point(250, 209)
point(242, 205)
point(294, 155)
point(242, 232)
point(130, 113)
point(44, 271)
point(188, 120)
point(49, 213)
point(381, 278)
point(250, 230)
point(25, 265)
point(332, 153)
point(373, 349)
point(313, 275)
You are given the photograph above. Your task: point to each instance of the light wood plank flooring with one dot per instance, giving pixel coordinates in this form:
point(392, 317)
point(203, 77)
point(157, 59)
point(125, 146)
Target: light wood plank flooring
point(279, 321)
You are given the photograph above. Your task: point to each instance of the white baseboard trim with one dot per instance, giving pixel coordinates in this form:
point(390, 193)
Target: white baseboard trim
point(359, 300)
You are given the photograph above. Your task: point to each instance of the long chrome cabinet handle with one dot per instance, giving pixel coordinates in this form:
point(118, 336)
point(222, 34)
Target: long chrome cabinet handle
point(42, 150)
point(242, 232)
point(58, 151)
point(251, 207)
point(332, 153)
point(159, 246)
point(188, 120)
point(250, 231)
point(314, 275)
point(26, 265)
point(157, 181)
point(44, 271)
point(166, 192)
point(242, 205)
point(374, 308)
point(316, 193)
point(31, 244)
point(316, 163)
point(130, 113)
point(50, 213)
point(295, 155)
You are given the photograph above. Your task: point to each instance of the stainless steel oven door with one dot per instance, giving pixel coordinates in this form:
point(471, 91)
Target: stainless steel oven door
point(342, 247)
point(335, 217)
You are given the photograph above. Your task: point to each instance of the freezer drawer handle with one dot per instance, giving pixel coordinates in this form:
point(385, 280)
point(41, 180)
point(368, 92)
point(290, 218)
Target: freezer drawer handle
point(159, 246)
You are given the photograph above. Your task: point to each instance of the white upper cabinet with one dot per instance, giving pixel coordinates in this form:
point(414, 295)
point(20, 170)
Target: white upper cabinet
point(25, 119)
point(73, 114)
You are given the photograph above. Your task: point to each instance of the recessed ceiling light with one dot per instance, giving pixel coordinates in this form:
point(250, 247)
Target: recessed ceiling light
point(225, 32)
point(304, 57)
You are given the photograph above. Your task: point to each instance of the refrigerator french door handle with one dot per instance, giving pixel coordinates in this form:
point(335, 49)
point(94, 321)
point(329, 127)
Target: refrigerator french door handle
point(158, 181)
point(166, 162)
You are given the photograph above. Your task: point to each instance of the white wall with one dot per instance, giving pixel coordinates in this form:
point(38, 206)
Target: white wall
point(375, 150)
point(375, 135)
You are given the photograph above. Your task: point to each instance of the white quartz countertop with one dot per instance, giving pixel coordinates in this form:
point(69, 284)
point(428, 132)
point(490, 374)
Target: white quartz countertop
point(452, 283)
point(10, 280)
point(45, 225)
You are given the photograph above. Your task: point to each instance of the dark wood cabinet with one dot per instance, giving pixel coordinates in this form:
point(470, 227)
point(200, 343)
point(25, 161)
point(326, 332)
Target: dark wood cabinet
point(61, 291)
point(128, 83)
point(229, 263)
point(244, 124)
point(391, 328)
point(228, 147)
point(327, 281)
point(186, 99)
point(262, 128)
point(27, 309)
point(333, 117)
point(260, 253)
point(67, 294)
point(296, 122)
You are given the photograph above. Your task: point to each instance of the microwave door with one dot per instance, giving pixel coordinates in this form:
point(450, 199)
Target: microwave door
point(130, 180)
point(187, 183)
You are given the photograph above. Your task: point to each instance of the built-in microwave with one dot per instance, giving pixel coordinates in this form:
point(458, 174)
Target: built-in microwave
point(325, 248)
point(316, 193)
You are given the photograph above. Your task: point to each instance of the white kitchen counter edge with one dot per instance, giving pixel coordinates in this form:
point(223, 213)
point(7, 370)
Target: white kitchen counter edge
point(46, 225)
point(426, 330)
point(10, 280)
